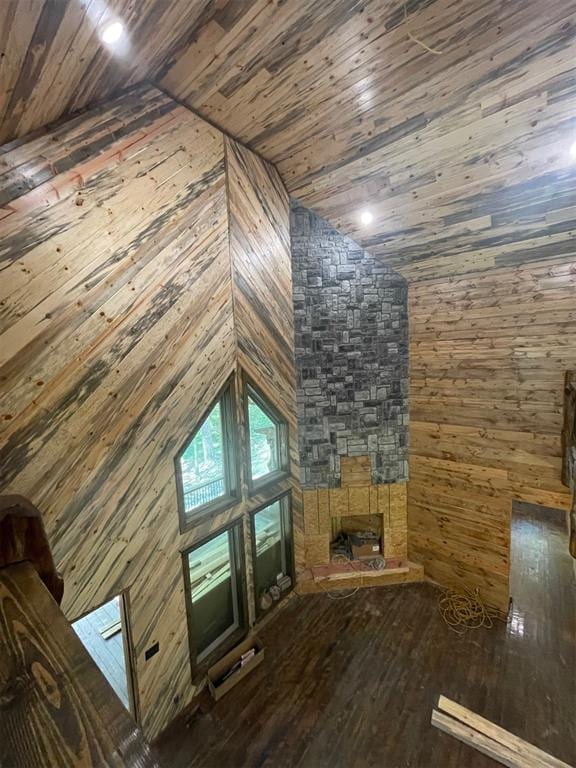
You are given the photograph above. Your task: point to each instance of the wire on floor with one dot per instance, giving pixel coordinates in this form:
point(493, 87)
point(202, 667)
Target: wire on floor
point(464, 610)
point(337, 595)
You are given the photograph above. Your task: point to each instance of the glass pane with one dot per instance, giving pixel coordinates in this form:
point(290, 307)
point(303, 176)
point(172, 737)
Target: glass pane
point(202, 463)
point(263, 441)
point(212, 592)
point(101, 634)
point(270, 557)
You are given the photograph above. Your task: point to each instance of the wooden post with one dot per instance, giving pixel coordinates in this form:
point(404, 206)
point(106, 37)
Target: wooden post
point(569, 450)
point(23, 538)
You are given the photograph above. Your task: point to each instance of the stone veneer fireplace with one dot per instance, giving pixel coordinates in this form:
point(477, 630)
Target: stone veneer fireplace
point(351, 353)
point(351, 350)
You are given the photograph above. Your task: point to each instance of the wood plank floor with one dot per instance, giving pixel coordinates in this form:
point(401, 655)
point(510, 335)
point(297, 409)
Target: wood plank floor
point(108, 653)
point(352, 683)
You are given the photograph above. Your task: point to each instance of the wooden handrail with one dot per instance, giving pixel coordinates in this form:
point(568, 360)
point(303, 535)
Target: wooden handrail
point(23, 538)
point(57, 710)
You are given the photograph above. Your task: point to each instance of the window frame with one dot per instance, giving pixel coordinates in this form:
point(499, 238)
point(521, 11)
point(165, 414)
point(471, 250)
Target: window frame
point(287, 524)
point(235, 531)
point(250, 390)
point(188, 520)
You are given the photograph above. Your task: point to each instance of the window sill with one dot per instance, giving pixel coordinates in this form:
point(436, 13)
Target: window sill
point(189, 521)
point(263, 484)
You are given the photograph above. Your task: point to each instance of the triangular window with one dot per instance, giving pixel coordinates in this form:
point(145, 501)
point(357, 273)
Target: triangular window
point(267, 439)
point(205, 467)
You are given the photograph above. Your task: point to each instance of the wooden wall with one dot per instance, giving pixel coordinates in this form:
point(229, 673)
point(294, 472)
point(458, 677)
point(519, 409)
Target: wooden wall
point(117, 329)
point(464, 159)
point(489, 353)
point(262, 288)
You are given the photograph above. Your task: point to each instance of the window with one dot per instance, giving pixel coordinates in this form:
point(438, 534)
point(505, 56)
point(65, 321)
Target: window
point(205, 467)
point(104, 634)
point(267, 440)
point(272, 552)
point(215, 592)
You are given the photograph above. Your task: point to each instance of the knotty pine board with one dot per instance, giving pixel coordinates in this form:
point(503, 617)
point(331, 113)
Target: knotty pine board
point(488, 355)
point(443, 149)
point(117, 330)
point(54, 61)
point(262, 292)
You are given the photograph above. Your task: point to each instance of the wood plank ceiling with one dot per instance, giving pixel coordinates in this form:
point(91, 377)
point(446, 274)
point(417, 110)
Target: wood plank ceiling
point(53, 60)
point(356, 115)
point(354, 112)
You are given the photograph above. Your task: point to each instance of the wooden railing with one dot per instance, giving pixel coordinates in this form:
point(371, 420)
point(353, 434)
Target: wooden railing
point(57, 710)
point(569, 450)
point(202, 494)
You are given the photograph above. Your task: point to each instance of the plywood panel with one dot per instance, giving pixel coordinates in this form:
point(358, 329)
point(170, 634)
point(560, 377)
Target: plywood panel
point(383, 508)
point(317, 549)
point(311, 524)
point(355, 471)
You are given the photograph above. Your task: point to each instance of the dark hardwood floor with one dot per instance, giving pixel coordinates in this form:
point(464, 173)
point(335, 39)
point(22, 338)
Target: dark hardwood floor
point(352, 683)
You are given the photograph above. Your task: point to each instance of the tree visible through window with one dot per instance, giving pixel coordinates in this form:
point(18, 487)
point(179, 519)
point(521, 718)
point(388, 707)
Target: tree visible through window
point(205, 465)
point(267, 438)
point(263, 441)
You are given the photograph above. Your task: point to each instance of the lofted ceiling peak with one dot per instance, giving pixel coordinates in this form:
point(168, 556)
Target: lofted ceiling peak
point(418, 127)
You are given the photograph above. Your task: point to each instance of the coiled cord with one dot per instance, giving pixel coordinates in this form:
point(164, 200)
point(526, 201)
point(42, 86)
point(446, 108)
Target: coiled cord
point(465, 610)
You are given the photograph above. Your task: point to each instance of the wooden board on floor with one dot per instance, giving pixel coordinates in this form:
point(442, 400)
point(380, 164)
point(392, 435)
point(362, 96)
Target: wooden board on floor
point(489, 738)
point(307, 584)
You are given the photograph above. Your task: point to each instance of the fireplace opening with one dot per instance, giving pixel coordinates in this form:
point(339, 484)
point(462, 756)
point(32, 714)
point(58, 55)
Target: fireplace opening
point(358, 538)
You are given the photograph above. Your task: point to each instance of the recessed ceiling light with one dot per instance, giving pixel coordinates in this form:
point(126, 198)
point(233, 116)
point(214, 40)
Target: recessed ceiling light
point(112, 33)
point(366, 217)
